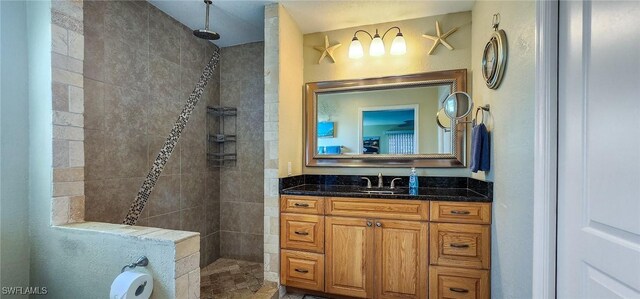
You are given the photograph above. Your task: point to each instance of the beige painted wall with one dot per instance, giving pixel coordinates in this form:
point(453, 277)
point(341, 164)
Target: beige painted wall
point(511, 123)
point(290, 95)
point(415, 61)
point(347, 107)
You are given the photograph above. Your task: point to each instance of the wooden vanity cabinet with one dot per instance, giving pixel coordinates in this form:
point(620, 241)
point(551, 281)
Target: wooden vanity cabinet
point(376, 248)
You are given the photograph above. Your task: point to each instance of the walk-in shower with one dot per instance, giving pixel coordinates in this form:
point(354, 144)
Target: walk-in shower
point(147, 88)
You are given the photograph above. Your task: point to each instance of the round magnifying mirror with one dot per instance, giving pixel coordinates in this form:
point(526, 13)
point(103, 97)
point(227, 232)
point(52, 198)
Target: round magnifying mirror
point(443, 120)
point(458, 105)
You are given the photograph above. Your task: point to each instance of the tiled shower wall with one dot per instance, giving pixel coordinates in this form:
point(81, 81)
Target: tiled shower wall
point(242, 186)
point(140, 67)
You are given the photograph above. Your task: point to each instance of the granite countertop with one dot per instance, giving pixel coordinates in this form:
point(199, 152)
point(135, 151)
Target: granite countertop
point(441, 194)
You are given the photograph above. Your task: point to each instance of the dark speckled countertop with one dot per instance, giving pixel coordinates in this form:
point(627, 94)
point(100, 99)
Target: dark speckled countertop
point(441, 194)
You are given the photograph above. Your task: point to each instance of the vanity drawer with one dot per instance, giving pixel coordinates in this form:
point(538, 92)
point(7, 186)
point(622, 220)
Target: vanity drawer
point(460, 245)
point(303, 270)
point(447, 282)
point(302, 204)
point(378, 208)
point(304, 232)
point(461, 212)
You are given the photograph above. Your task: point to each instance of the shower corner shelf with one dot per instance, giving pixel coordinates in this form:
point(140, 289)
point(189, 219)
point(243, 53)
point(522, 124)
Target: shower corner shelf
point(221, 145)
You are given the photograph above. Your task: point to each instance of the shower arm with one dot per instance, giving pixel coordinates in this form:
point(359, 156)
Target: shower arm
point(206, 20)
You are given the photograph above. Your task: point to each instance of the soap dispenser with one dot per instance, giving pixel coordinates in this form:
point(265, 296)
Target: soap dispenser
point(413, 182)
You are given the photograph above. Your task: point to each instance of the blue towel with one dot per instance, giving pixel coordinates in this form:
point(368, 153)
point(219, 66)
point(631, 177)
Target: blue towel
point(480, 153)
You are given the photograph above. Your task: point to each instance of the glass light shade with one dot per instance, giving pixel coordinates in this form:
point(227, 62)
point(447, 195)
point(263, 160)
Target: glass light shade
point(398, 46)
point(355, 49)
point(377, 46)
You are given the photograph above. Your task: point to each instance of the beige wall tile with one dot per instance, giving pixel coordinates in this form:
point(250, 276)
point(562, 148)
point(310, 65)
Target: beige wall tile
point(60, 96)
point(68, 119)
point(187, 247)
point(75, 174)
point(68, 133)
point(76, 153)
point(59, 40)
point(76, 209)
point(60, 153)
point(67, 77)
point(68, 189)
point(72, 9)
point(182, 286)
point(66, 21)
point(76, 45)
point(194, 284)
point(76, 99)
point(66, 63)
point(187, 264)
point(60, 210)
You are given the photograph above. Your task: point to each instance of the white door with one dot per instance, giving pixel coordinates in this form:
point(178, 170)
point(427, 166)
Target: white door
point(599, 150)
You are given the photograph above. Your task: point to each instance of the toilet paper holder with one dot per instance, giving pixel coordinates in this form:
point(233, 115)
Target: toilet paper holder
point(142, 261)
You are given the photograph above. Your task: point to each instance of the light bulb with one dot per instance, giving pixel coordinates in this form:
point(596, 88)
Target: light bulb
point(398, 46)
point(355, 49)
point(377, 46)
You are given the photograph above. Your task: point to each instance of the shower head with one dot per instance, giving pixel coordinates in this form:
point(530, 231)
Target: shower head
point(206, 33)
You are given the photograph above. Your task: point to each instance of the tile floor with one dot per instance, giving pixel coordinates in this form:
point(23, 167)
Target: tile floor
point(231, 279)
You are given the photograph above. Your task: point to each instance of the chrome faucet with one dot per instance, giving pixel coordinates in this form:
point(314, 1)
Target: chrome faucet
point(368, 182)
point(380, 185)
point(393, 183)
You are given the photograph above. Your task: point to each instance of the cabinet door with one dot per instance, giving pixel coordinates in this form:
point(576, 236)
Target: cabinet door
point(349, 256)
point(401, 259)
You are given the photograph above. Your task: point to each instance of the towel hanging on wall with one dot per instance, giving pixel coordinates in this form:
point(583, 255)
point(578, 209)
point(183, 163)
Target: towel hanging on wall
point(480, 146)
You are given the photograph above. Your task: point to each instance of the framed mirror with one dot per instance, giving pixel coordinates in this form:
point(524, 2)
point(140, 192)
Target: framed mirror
point(385, 122)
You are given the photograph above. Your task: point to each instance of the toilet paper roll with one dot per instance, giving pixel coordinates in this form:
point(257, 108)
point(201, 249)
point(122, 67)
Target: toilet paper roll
point(131, 285)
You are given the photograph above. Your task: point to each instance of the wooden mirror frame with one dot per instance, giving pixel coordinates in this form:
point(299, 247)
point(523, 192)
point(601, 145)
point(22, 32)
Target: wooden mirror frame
point(457, 79)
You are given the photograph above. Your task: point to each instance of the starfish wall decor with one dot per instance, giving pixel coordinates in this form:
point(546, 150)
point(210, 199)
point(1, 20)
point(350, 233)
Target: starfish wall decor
point(327, 50)
point(440, 38)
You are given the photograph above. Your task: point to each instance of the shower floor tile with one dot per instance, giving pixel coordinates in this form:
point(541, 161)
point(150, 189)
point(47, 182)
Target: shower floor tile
point(227, 278)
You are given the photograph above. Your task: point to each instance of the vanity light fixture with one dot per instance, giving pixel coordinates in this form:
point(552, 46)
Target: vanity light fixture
point(376, 48)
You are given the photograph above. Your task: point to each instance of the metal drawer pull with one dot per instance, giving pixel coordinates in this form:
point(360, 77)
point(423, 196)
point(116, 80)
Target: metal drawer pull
point(304, 205)
point(378, 224)
point(369, 223)
point(457, 245)
point(301, 270)
point(459, 290)
point(458, 212)
point(301, 233)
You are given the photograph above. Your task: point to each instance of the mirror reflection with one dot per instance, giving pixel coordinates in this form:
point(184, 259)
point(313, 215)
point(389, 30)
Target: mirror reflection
point(389, 121)
point(458, 105)
point(443, 120)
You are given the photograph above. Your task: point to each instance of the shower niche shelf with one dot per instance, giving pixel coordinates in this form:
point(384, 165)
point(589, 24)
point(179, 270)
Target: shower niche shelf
point(221, 136)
